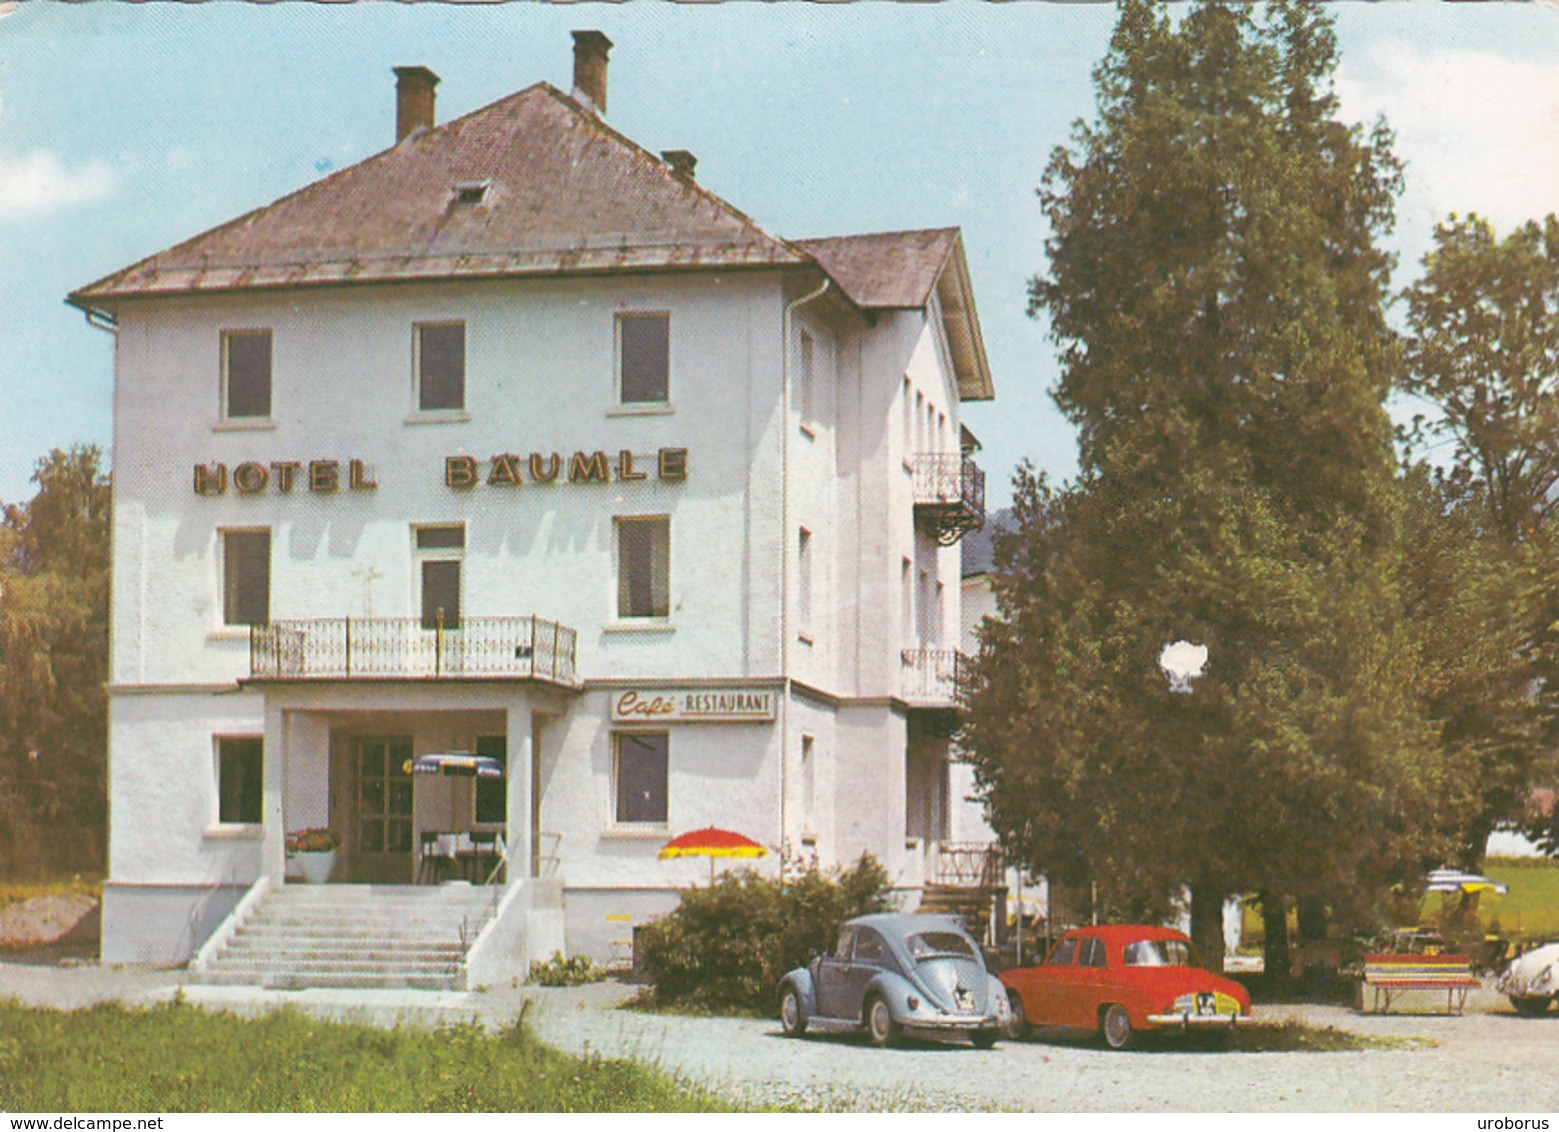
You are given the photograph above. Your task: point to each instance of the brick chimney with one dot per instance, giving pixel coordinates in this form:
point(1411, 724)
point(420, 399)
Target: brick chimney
point(590, 50)
point(681, 161)
point(413, 100)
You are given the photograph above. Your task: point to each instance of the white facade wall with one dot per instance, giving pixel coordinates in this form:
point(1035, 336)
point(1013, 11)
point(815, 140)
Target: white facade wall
point(539, 378)
point(826, 780)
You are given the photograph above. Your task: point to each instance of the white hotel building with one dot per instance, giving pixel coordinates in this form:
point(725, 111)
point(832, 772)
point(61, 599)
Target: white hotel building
point(512, 439)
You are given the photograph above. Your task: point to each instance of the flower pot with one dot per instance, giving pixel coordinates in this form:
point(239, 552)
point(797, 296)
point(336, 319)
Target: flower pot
point(316, 866)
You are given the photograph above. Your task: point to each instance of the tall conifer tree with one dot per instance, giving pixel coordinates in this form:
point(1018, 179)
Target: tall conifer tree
point(1216, 290)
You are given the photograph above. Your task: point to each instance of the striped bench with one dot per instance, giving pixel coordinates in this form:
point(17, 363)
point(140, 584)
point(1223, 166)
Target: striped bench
point(1394, 975)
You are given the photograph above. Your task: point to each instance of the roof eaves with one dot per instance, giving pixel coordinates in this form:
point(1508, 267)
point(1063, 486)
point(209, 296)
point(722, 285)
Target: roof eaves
point(962, 324)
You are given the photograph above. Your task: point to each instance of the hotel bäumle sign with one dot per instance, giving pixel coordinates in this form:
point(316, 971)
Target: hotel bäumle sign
point(694, 705)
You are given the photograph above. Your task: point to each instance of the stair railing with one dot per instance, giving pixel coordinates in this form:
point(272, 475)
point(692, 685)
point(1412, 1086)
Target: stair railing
point(230, 926)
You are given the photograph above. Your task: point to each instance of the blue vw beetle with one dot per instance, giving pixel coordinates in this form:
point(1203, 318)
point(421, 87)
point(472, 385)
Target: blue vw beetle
point(894, 974)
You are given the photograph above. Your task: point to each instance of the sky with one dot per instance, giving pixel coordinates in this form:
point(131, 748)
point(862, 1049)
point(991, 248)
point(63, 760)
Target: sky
point(125, 129)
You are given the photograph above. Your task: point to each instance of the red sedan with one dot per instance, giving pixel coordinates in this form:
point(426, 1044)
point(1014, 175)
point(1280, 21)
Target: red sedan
point(1120, 980)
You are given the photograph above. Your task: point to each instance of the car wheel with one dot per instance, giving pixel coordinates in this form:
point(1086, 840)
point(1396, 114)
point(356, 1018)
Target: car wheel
point(1531, 1007)
point(1017, 1024)
point(1116, 1027)
point(792, 1021)
point(880, 1024)
point(983, 1039)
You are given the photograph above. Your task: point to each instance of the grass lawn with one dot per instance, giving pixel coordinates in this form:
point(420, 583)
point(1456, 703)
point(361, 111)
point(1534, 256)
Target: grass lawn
point(14, 892)
point(1531, 908)
point(1529, 911)
point(177, 1058)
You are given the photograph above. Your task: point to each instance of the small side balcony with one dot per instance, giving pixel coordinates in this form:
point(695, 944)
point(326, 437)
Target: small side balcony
point(949, 496)
point(404, 648)
point(932, 678)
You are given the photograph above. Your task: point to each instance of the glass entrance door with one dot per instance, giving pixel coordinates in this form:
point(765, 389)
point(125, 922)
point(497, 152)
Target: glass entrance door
point(382, 853)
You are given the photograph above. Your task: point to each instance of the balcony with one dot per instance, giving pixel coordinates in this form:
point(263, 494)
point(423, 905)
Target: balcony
point(932, 678)
point(402, 648)
point(949, 496)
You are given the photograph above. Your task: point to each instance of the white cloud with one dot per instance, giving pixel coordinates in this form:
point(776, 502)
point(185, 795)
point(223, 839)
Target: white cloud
point(37, 182)
point(1479, 132)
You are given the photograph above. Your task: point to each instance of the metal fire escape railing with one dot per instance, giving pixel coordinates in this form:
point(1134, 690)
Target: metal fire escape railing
point(400, 648)
point(949, 494)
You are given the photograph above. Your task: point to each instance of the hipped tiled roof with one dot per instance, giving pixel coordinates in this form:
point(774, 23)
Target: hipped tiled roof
point(561, 192)
point(564, 193)
point(886, 270)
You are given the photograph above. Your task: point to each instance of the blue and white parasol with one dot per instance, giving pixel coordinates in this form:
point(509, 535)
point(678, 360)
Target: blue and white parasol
point(456, 763)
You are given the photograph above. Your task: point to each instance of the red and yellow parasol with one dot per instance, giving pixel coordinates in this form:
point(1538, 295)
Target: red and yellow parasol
point(712, 843)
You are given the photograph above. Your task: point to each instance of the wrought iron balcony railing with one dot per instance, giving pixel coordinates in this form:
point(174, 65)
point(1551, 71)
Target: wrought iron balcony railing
point(402, 648)
point(932, 677)
point(949, 496)
point(970, 864)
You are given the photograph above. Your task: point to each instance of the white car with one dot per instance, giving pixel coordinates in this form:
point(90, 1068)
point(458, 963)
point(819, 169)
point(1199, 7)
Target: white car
point(1532, 981)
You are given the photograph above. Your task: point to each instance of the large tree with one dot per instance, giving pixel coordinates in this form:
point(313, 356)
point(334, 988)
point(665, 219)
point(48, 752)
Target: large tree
point(1483, 348)
point(54, 578)
point(1217, 290)
point(1472, 605)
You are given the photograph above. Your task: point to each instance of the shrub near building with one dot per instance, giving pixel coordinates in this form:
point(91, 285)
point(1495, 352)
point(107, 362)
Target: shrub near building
point(726, 947)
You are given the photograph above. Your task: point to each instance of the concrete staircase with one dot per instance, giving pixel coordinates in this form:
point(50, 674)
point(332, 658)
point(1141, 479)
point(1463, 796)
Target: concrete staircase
point(355, 935)
point(972, 905)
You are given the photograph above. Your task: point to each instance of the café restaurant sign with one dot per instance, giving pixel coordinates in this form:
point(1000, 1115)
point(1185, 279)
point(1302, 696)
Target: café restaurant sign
point(694, 705)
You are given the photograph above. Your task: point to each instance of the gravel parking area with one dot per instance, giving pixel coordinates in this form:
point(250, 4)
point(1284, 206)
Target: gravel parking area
point(1487, 1060)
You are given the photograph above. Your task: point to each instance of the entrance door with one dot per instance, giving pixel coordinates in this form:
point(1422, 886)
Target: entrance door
point(384, 818)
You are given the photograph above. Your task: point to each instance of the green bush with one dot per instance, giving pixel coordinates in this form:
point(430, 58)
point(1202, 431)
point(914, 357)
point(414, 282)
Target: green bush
point(726, 946)
point(565, 971)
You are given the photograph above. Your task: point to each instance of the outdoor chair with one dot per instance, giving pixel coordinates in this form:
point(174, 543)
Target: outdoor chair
point(482, 857)
point(435, 864)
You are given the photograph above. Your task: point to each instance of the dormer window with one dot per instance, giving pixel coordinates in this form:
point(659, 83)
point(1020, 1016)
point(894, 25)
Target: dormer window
point(470, 192)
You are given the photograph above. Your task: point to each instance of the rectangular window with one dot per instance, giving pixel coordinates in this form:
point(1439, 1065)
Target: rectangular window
point(448, 537)
point(240, 775)
point(909, 428)
point(644, 567)
point(920, 422)
point(492, 794)
point(640, 776)
point(644, 358)
point(246, 374)
point(246, 577)
point(923, 608)
point(441, 366)
point(804, 579)
point(906, 603)
point(806, 377)
point(441, 594)
point(808, 784)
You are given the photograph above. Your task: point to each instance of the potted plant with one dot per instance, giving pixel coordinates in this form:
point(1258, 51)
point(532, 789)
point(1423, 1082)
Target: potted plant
point(314, 850)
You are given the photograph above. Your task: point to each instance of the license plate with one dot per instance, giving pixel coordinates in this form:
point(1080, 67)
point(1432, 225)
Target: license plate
point(1204, 1004)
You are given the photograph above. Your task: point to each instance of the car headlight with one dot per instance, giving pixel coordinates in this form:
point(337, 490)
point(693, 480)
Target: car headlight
point(1545, 977)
